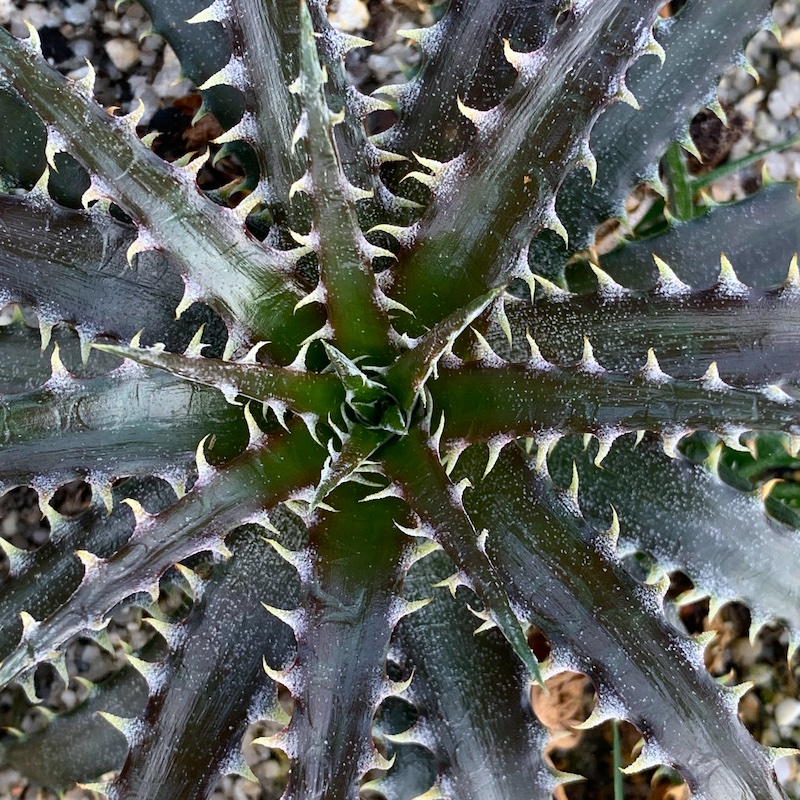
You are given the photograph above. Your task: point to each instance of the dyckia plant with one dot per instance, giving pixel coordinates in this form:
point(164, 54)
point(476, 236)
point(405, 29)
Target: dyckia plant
point(403, 387)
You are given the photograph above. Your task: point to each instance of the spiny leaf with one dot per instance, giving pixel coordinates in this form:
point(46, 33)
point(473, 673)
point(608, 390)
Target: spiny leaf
point(760, 254)
point(412, 462)
point(261, 65)
point(360, 325)
point(408, 374)
point(500, 193)
point(218, 502)
point(693, 522)
point(177, 217)
point(301, 392)
point(477, 755)
point(521, 400)
point(752, 338)
point(201, 50)
point(699, 45)
point(471, 67)
point(645, 670)
point(350, 603)
point(69, 426)
point(71, 266)
point(48, 578)
point(95, 747)
point(226, 633)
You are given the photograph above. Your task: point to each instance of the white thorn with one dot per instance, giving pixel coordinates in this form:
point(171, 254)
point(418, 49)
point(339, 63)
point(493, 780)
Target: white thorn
point(711, 381)
point(652, 372)
point(588, 362)
point(668, 282)
point(728, 284)
point(607, 287)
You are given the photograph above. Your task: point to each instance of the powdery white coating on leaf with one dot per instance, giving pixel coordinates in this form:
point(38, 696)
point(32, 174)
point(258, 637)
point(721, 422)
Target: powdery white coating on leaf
point(693, 653)
point(777, 395)
point(651, 601)
point(450, 180)
point(129, 369)
point(61, 383)
point(303, 562)
point(56, 141)
point(730, 286)
point(434, 38)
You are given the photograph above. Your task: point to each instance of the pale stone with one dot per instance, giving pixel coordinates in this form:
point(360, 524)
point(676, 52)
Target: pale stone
point(789, 87)
point(787, 712)
point(751, 103)
point(776, 166)
point(123, 53)
point(168, 82)
point(6, 9)
point(79, 13)
point(779, 106)
point(792, 159)
point(83, 48)
point(766, 129)
point(349, 16)
point(37, 15)
point(143, 91)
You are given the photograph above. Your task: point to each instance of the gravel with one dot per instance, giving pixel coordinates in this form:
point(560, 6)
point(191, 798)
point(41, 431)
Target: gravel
point(770, 106)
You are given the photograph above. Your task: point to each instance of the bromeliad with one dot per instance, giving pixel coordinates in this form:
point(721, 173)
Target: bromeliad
point(411, 378)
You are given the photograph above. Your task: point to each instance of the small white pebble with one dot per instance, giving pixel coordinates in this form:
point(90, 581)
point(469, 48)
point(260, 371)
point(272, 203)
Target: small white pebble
point(82, 48)
point(37, 15)
point(123, 53)
point(751, 103)
point(6, 9)
point(743, 81)
point(766, 129)
point(779, 106)
point(792, 159)
point(782, 14)
point(784, 769)
point(791, 39)
point(776, 166)
point(349, 15)
point(787, 712)
point(79, 13)
point(168, 82)
point(789, 87)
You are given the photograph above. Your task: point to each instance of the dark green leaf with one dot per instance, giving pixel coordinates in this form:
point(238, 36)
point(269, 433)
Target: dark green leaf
point(752, 337)
point(414, 464)
point(514, 400)
point(489, 203)
point(201, 49)
point(700, 43)
point(212, 684)
point(295, 390)
point(71, 266)
point(603, 623)
point(350, 602)
point(73, 427)
point(258, 291)
point(470, 695)
point(469, 66)
point(221, 499)
point(40, 582)
point(692, 521)
point(760, 253)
